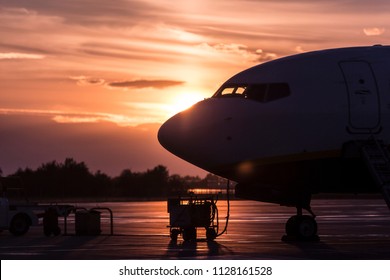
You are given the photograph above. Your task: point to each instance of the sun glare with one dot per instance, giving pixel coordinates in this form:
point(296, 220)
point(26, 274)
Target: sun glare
point(184, 101)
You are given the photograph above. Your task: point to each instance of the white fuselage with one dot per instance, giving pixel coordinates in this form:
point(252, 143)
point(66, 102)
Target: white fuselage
point(291, 110)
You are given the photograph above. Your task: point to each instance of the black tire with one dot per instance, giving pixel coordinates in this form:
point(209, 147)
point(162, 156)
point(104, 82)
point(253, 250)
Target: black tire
point(50, 222)
point(292, 226)
point(57, 231)
point(174, 234)
point(189, 234)
point(307, 227)
point(211, 234)
point(47, 231)
point(302, 227)
point(20, 224)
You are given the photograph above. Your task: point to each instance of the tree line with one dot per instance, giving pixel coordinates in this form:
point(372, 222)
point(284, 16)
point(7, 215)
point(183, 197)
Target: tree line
point(71, 179)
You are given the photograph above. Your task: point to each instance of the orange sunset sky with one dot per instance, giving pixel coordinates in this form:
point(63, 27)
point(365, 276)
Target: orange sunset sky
point(94, 79)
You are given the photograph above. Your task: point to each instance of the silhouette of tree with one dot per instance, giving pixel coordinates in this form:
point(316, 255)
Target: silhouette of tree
point(176, 185)
point(102, 185)
point(123, 184)
point(72, 179)
point(156, 181)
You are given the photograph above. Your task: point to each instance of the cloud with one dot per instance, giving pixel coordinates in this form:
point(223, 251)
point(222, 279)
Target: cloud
point(299, 49)
point(262, 56)
point(138, 84)
point(374, 31)
point(21, 48)
point(87, 81)
point(90, 12)
point(59, 116)
point(159, 84)
point(75, 119)
point(16, 55)
point(250, 55)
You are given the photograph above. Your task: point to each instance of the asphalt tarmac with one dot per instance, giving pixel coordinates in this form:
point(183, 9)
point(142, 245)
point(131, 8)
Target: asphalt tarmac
point(348, 229)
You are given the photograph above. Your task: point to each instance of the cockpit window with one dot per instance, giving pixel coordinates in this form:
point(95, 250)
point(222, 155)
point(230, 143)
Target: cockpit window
point(233, 90)
point(258, 92)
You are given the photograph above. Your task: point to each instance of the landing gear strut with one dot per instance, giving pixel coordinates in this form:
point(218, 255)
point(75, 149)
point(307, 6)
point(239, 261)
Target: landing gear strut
point(301, 227)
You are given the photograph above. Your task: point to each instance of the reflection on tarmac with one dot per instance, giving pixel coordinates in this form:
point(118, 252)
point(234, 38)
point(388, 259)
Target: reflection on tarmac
point(193, 250)
point(348, 229)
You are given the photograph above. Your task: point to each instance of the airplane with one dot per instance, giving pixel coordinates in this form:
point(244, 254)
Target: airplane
point(286, 129)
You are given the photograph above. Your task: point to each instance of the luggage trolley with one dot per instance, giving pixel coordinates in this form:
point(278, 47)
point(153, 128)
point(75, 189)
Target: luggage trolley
point(186, 214)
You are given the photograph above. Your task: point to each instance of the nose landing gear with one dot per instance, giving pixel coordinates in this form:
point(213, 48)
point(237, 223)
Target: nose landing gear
point(301, 227)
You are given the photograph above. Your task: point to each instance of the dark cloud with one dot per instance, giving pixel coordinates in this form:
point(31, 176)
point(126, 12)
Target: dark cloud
point(86, 12)
point(94, 81)
point(362, 6)
point(126, 51)
point(87, 81)
point(142, 56)
point(22, 48)
point(146, 84)
point(253, 55)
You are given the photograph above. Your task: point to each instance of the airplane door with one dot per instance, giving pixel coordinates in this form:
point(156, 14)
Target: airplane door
point(363, 98)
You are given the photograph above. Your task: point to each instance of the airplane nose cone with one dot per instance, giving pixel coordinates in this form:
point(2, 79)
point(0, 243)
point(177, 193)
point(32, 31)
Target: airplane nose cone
point(166, 134)
point(175, 135)
point(201, 135)
point(182, 135)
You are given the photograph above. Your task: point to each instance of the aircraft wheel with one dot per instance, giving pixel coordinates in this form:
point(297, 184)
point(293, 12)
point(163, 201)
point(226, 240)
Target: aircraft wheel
point(302, 227)
point(307, 227)
point(189, 234)
point(50, 222)
point(20, 224)
point(46, 232)
point(291, 226)
point(174, 234)
point(210, 234)
point(57, 231)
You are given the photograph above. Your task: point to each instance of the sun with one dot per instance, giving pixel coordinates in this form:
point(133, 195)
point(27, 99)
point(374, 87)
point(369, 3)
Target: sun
point(184, 101)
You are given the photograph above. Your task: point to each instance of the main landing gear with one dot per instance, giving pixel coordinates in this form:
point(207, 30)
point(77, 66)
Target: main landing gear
point(301, 227)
